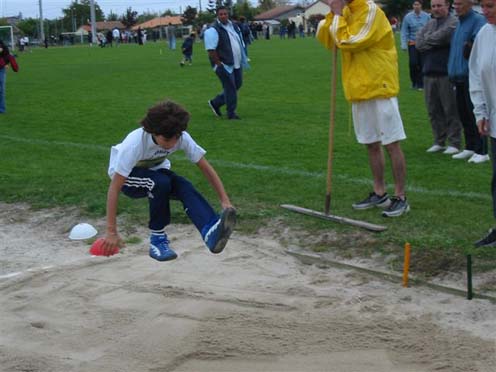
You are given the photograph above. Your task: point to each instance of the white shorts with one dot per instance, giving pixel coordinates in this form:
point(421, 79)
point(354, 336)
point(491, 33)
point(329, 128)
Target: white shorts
point(378, 120)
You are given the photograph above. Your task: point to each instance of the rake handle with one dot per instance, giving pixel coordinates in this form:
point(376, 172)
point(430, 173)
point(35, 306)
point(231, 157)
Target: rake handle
point(332, 121)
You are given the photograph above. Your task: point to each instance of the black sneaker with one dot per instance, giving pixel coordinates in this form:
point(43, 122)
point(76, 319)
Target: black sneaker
point(215, 110)
point(488, 241)
point(397, 208)
point(373, 200)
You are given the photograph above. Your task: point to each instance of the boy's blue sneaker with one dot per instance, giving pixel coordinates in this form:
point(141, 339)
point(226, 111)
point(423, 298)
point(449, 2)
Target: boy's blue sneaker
point(159, 248)
point(217, 236)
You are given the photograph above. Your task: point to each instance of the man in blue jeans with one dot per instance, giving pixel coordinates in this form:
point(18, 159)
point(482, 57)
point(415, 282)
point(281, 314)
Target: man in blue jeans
point(226, 51)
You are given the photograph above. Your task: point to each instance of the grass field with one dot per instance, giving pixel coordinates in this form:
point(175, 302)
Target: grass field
point(67, 106)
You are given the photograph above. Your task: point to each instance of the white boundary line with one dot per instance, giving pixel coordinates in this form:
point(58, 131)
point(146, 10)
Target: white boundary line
point(266, 168)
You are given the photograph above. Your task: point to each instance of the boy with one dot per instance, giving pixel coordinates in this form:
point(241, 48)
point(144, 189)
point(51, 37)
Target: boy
point(187, 49)
point(139, 168)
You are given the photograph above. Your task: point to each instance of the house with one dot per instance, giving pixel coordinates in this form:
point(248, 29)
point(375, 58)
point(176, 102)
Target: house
point(279, 13)
point(159, 24)
point(273, 17)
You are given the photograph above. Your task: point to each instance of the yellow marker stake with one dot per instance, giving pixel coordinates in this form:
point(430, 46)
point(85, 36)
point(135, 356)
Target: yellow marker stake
point(406, 265)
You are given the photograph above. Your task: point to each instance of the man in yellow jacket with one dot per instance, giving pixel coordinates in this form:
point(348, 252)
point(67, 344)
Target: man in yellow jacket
point(360, 29)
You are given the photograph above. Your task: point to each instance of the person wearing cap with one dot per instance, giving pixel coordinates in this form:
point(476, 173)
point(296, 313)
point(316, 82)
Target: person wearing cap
point(363, 34)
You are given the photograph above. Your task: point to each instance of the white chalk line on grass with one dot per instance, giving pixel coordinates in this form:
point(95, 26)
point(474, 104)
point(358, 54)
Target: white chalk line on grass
point(266, 168)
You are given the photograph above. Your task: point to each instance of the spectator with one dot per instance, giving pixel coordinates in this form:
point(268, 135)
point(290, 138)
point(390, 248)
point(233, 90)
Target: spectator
point(225, 47)
point(482, 82)
point(433, 42)
point(171, 36)
point(5, 59)
point(116, 35)
point(412, 23)
point(110, 37)
point(187, 49)
point(365, 37)
point(301, 30)
point(246, 32)
point(469, 24)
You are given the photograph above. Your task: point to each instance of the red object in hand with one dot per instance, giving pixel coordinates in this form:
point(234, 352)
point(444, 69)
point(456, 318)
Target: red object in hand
point(97, 248)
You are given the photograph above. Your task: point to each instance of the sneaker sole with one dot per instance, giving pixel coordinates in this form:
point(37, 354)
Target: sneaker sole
point(227, 223)
point(382, 205)
point(396, 213)
point(213, 109)
point(169, 258)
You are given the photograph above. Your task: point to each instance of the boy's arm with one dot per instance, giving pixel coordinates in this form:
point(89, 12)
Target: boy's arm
point(214, 180)
point(112, 238)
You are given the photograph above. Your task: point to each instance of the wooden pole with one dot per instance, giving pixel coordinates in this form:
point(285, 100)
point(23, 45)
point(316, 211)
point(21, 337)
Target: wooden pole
point(470, 293)
point(406, 264)
point(332, 120)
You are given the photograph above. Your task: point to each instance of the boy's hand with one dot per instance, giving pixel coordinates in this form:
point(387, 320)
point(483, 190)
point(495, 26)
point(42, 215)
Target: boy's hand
point(112, 240)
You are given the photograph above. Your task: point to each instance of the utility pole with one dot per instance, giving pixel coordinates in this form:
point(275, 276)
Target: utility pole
point(93, 21)
point(42, 29)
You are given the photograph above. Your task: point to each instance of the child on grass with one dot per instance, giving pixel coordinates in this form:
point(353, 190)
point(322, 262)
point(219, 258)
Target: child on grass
point(139, 168)
point(187, 49)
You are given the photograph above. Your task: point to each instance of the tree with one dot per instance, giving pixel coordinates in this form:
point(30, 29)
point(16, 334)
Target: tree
point(205, 18)
point(265, 5)
point(129, 19)
point(399, 8)
point(314, 20)
point(112, 17)
point(28, 26)
point(189, 16)
point(146, 17)
point(245, 10)
point(78, 14)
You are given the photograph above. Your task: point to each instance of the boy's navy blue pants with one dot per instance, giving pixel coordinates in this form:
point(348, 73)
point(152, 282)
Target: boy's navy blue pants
point(160, 186)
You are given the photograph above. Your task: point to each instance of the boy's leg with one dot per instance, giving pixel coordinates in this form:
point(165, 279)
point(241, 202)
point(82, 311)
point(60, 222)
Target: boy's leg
point(195, 205)
point(157, 187)
point(214, 229)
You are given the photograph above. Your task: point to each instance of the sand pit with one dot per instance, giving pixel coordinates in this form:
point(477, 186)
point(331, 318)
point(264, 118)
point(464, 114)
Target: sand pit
point(252, 308)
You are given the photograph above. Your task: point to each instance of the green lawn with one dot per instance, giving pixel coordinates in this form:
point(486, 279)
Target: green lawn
point(67, 106)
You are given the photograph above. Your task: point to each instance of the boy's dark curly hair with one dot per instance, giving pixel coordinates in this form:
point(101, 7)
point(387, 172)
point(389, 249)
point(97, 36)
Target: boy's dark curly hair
point(166, 118)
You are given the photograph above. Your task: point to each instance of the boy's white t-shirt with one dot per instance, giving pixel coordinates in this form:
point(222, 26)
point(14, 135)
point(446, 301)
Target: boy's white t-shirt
point(139, 150)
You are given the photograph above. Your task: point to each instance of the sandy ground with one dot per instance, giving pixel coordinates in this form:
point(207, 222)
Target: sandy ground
point(252, 308)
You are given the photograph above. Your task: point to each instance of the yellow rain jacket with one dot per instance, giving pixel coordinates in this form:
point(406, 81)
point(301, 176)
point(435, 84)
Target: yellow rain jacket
point(368, 50)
